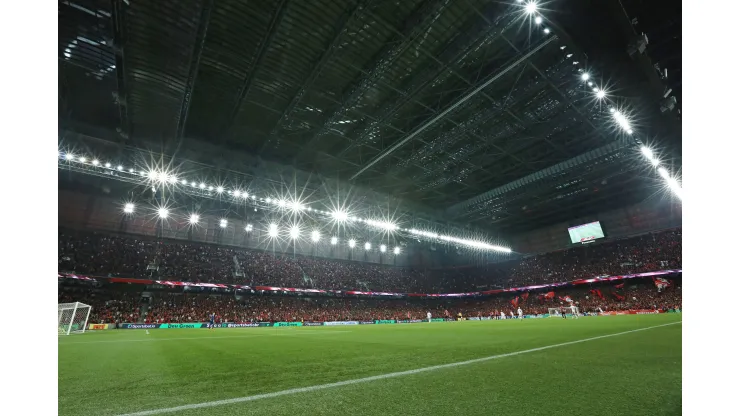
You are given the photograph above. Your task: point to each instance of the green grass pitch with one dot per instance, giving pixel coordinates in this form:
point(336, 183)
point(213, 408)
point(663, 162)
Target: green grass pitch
point(635, 373)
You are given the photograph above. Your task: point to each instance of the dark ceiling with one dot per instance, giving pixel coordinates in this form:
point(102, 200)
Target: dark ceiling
point(464, 106)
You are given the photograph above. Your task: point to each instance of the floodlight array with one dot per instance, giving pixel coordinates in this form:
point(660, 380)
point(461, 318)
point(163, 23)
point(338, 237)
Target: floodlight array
point(531, 10)
point(155, 178)
point(476, 244)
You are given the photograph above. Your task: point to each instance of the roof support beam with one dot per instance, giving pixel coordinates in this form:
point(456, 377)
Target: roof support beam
point(382, 60)
point(462, 100)
point(329, 51)
point(118, 17)
point(255, 64)
point(195, 54)
point(458, 209)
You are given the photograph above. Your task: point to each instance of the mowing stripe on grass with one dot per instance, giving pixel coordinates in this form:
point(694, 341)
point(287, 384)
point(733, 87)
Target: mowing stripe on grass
point(374, 378)
point(205, 337)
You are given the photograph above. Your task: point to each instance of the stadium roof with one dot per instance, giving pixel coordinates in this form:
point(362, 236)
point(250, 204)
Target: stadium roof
point(471, 108)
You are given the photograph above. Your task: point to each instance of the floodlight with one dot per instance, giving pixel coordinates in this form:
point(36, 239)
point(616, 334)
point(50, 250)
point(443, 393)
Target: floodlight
point(585, 76)
point(663, 172)
point(531, 7)
point(630, 131)
point(296, 206)
point(594, 89)
point(193, 184)
point(107, 165)
point(590, 84)
point(397, 250)
point(254, 197)
point(152, 174)
point(210, 188)
point(315, 236)
point(547, 31)
point(273, 230)
point(95, 162)
point(202, 185)
point(340, 215)
point(368, 246)
point(220, 189)
point(119, 167)
point(538, 20)
point(334, 241)
point(128, 208)
point(351, 243)
point(382, 248)
point(268, 200)
point(194, 218)
point(655, 161)
point(223, 223)
point(245, 195)
point(163, 212)
point(248, 228)
point(172, 179)
point(83, 159)
point(295, 232)
point(184, 182)
point(130, 170)
point(281, 203)
point(163, 177)
point(69, 156)
point(237, 193)
point(600, 94)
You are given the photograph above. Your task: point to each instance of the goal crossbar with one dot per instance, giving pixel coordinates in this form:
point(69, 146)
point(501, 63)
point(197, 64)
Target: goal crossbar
point(72, 317)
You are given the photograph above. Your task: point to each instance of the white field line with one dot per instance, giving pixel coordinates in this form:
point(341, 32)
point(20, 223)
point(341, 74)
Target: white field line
point(205, 337)
point(373, 378)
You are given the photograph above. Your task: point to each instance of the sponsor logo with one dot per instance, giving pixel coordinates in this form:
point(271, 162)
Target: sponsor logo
point(239, 325)
point(385, 321)
point(140, 326)
point(288, 324)
point(313, 323)
point(182, 326)
point(341, 323)
point(97, 326)
point(410, 321)
point(367, 322)
point(265, 324)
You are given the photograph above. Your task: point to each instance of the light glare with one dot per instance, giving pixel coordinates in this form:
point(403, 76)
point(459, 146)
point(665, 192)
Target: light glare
point(163, 212)
point(397, 250)
point(531, 7)
point(334, 241)
point(315, 236)
point(223, 223)
point(295, 232)
point(128, 208)
point(194, 218)
point(351, 243)
point(368, 246)
point(382, 248)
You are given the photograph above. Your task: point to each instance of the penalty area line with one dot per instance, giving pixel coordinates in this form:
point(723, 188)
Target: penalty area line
point(375, 378)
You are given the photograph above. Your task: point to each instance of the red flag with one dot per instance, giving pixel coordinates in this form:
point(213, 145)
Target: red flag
point(619, 286)
point(661, 283)
point(515, 301)
point(618, 296)
point(550, 295)
point(525, 295)
point(597, 292)
point(566, 299)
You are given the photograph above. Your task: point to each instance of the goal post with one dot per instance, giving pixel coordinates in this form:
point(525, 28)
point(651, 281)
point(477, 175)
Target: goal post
point(72, 317)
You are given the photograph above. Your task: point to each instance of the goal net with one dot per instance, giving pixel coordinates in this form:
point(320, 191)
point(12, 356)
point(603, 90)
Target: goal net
point(72, 317)
point(555, 312)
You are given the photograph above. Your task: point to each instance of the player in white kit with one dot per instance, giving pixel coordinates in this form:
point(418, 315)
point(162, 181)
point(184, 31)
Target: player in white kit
point(519, 312)
point(503, 315)
point(429, 316)
point(574, 311)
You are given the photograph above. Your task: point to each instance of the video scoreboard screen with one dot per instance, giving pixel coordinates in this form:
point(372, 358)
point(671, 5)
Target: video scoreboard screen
point(586, 232)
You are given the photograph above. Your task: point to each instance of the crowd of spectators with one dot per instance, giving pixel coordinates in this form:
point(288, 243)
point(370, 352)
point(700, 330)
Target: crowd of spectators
point(103, 255)
point(111, 306)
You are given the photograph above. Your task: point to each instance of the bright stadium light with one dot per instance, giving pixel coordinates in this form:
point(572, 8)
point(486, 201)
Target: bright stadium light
point(220, 189)
point(202, 186)
point(119, 168)
point(69, 156)
point(296, 206)
point(600, 94)
point(152, 174)
point(128, 208)
point(547, 31)
point(368, 246)
point(585, 76)
point(538, 20)
point(248, 228)
point(647, 152)
point(268, 200)
point(295, 232)
point(83, 159)
point(194, 218)
point(172, 179)
point(237, 193)
point(107, 165)
point(223, 223)
point(382, 248)
point(273, 230)
point(397, 250)
point(351, 243)
point(334, 241)
point(315, 236)
point(210, 188)
point(663, 173)
point(530, 7)
point(95, 162)
point(163, 212)
point(340, 215)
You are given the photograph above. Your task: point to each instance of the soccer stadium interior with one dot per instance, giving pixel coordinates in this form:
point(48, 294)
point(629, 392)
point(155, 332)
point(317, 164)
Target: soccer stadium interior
point(345, 207)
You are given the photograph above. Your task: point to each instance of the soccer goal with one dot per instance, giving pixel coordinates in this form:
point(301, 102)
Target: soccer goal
point(73, 317)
